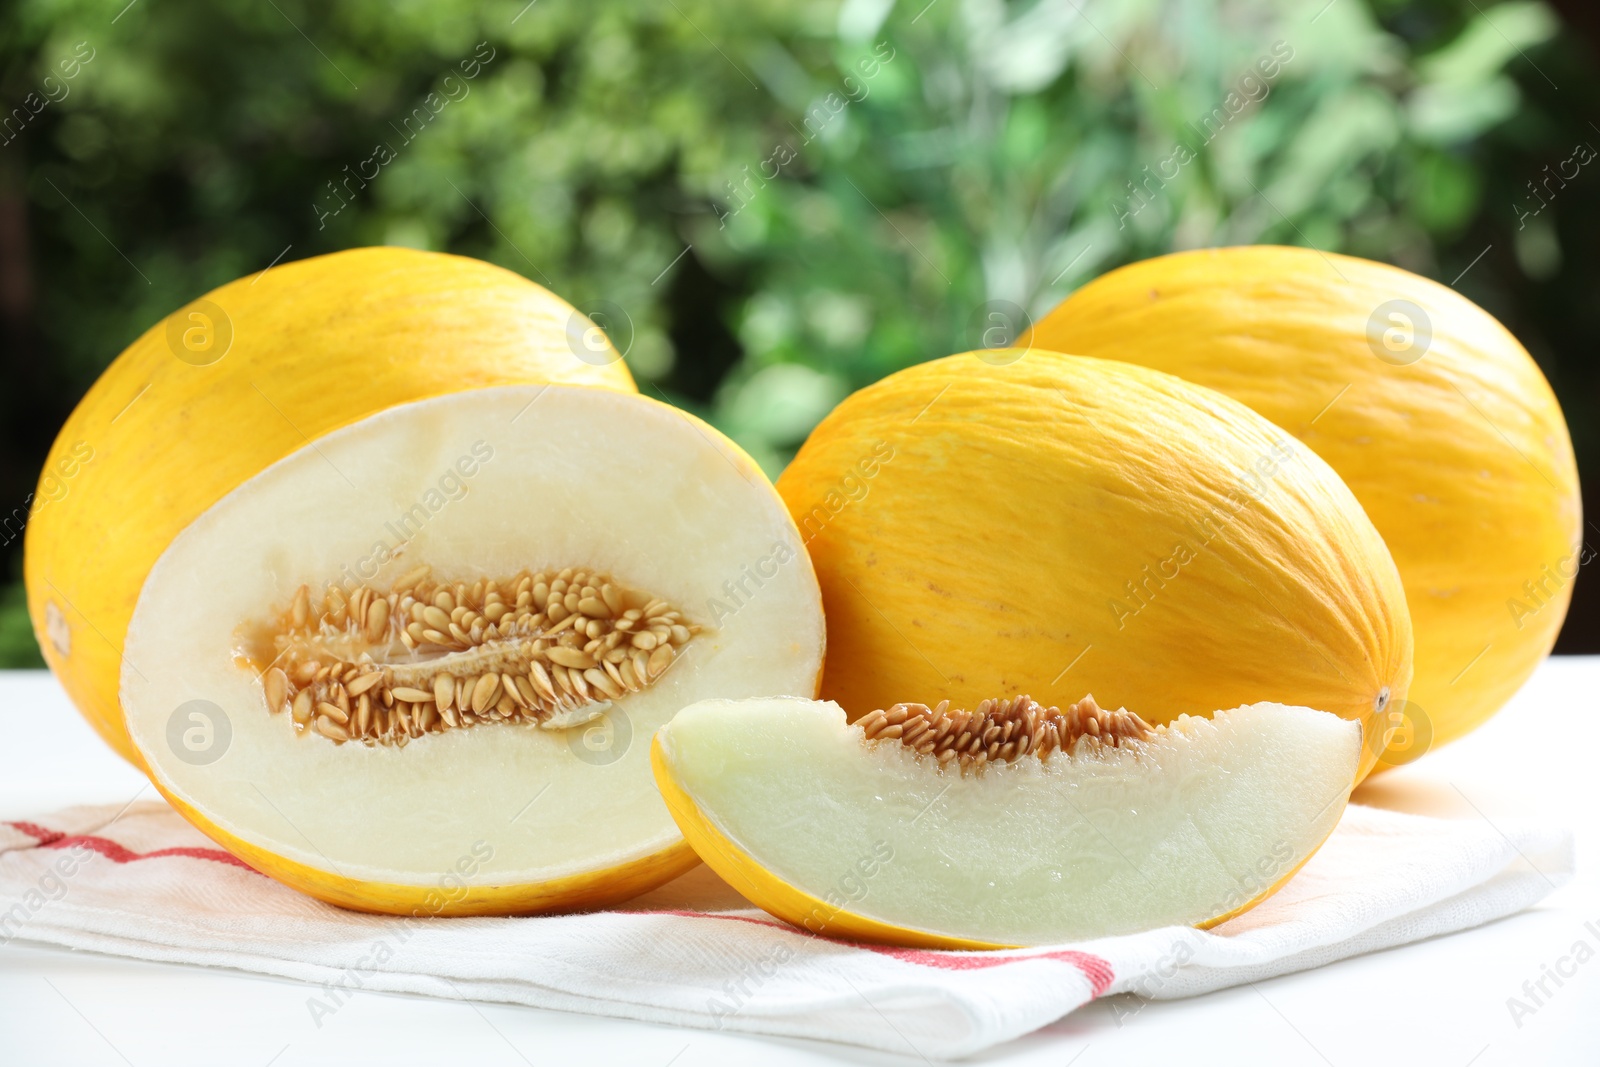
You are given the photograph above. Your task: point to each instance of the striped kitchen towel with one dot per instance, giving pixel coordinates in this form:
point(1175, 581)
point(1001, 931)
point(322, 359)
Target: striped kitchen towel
point(141, 882)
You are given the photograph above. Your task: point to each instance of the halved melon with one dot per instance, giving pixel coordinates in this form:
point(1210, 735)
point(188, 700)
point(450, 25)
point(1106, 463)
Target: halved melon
point(1009, 825)
point(416, 664)
point(379, 567)
point(239, 379)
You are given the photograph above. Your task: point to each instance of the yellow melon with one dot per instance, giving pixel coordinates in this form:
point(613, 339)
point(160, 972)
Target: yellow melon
point(383, 572)
point(1054, 525)
point(239, 379)
point(1436, 418)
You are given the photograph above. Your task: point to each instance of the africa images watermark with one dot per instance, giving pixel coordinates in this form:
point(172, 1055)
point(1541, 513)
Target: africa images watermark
point(51, 886)
point(452, 90)
point(52, 90)
point(851, 489)
point(1547, 587)
point(1143, 589)
point(750, 976)
point(817, 119)
point(452, 485)
point(1582, 154)
point(1251, 88)
point(738, 591)
point(53, 487)
point(1536, 992)
point(850, 888)
point(1267, 871)
point(451, 887)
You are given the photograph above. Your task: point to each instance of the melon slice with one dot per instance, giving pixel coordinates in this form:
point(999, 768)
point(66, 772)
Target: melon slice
point(416, 664)
point(1007, 826)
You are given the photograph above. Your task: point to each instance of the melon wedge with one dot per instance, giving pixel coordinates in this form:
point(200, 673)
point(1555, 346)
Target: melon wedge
point(359, 671)
point(862, 831)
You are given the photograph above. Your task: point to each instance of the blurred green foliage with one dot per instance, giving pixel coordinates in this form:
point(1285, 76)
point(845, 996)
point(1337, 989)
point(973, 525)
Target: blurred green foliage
point(779, 202)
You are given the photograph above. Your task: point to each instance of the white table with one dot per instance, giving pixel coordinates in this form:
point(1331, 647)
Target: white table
point(1436, 1002)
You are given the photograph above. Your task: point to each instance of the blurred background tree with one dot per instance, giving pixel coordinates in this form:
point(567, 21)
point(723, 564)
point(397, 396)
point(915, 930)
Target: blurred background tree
point(771, 203)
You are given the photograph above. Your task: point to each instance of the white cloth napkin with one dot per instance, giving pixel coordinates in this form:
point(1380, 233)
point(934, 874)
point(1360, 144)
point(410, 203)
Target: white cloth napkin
point(144, 883)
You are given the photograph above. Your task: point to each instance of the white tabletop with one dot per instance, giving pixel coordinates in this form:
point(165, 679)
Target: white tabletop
point(1442, 1001)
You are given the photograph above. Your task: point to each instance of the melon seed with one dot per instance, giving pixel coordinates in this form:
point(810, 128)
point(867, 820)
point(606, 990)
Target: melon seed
point(1001, 731)
point(429, 656)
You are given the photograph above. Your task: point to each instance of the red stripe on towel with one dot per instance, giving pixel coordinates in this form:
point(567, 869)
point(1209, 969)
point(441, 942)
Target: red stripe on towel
point(121, 853)
point(1095, 968)
point(35, 830)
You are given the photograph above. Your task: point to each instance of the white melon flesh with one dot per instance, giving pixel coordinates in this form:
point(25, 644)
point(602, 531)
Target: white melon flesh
point(509, 479)
point(1192, 824)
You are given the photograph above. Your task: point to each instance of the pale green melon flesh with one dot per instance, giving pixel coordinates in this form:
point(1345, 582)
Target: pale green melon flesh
point(1178, 830)
point(507, 478)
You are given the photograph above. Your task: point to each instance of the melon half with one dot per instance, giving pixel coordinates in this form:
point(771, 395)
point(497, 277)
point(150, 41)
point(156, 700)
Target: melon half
point(1010, 825)
point(237, 380)
point(420, 662)
point(379, 567)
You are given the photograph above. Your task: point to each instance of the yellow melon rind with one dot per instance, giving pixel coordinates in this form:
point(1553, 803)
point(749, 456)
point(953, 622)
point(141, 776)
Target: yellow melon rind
point(438, 323)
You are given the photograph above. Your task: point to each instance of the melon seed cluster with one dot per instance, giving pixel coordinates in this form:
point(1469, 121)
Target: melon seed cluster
point(1000, 730)
point(427, 656)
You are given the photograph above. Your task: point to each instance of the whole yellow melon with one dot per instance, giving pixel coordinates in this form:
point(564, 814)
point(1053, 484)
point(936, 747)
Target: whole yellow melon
point(1040, 524)
point(1434, 415)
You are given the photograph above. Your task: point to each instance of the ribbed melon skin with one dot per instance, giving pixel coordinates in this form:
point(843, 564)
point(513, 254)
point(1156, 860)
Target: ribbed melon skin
point(976, 526)
point(317, 344)
point(1461, 457)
